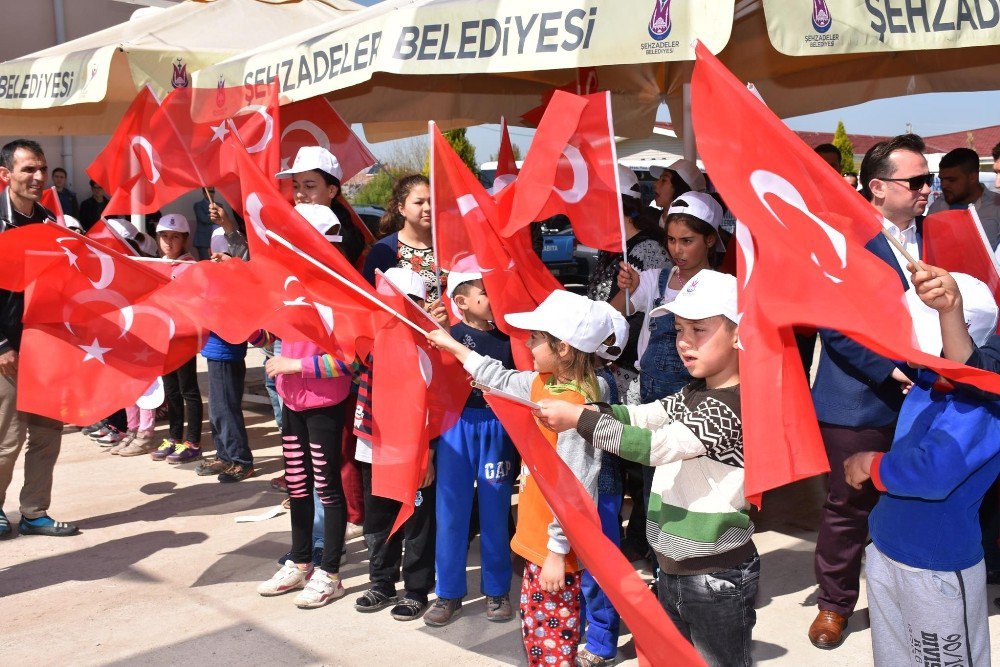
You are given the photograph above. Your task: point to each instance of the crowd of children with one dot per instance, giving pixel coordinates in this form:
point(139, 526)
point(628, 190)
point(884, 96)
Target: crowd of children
point(676, 415)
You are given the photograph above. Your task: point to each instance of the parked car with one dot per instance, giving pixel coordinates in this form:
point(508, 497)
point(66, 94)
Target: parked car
point(562, 253)
point(370, 215)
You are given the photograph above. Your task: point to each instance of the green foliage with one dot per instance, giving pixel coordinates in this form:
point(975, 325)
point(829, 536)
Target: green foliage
point(462, 146)
point(375, 192)
point(494, 157)
point(843, 143)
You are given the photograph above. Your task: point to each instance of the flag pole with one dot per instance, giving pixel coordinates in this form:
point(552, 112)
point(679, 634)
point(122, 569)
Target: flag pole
point(902, 249)
point(344, 281)
point(431, 126)
point(618, 194)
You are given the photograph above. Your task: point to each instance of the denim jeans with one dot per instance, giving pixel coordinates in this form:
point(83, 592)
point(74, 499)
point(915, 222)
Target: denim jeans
point(715, 612)
point(272, 391)
point(225, 411)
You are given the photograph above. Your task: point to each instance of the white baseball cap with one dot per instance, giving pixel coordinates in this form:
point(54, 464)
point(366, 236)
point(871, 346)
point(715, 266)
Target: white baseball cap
point(408, 281)
point(323, 219)
point(978, 306)
point(707, 294)
point(73, 223)
point(313, 158)
point(628, 183)
point(173, 222)
point(571, 318)
point(687, 170)
point(456, 278)
point(218, 243)
point(703, 206)
point(620, 325)
point(124, 228)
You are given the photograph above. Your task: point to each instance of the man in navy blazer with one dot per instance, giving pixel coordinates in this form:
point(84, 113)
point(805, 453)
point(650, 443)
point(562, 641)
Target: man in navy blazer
point(858, 393)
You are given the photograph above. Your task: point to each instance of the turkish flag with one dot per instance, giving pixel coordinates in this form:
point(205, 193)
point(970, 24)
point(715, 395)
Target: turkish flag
point(299, 270)
point(103, 233)
point(204, 120)
point(657, 640)
point(435, 386)
point(955, 241)
point(571, 169)
point(94, 336)
point(507, 168)
point(808, 223)
point(50, 200)
point(314, 122)
point(465, 227)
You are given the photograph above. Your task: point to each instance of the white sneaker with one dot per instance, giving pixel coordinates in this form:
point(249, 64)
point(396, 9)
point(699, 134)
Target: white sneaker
point(353, 531)
point(288, 578)
point(321, 590)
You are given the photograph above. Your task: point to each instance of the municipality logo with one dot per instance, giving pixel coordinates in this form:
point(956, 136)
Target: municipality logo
point(821, 16)
point(659, 22)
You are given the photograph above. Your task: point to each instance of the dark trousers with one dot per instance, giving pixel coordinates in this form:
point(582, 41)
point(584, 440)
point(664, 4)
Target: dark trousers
point(225, 411)
point(385, 554)
point(119, 420)
point(184, 399)
point(843, 529)
point(715, 612)
point(311, 448)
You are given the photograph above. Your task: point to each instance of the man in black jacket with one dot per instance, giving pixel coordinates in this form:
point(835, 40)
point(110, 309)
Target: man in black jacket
point(23, 170)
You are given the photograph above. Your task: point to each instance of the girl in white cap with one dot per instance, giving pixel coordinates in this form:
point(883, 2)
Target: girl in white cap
point(316, 175)
point(566, 331)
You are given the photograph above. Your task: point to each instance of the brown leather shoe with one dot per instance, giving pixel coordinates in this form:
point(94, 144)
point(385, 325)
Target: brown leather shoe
point(827, 631)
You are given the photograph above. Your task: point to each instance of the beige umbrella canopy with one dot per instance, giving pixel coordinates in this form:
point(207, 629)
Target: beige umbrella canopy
point(85, 85)
point(461, 62)
point(865, 51)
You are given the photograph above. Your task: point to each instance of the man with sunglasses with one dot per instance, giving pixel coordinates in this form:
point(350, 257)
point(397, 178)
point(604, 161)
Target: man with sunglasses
point(858, 394)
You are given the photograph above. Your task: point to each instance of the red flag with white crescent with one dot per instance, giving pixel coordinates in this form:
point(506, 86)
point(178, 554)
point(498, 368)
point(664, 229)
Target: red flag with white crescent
point(571, 169)
point(94, 337)
point(809, 224)
point(50, 200)
point(465, 222)
point(314, 122)
point(507, 168)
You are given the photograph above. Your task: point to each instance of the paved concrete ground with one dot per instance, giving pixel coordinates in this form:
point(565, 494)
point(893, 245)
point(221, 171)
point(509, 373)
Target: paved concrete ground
point(162, 575)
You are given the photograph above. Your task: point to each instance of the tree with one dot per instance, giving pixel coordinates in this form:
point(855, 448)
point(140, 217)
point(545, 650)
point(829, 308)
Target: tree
point(401, 159)
point(843, 143)
point(516, 150)
point(462, 146)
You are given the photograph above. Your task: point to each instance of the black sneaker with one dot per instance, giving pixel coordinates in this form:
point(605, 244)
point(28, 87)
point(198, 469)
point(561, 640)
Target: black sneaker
point(374, 600)
point(5, 530)
point(443, 611)
point(96, 426)
point(408, 609)
point(214, 467)
point(236, 473)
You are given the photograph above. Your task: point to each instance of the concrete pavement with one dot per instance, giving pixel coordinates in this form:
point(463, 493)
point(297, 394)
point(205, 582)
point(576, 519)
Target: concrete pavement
point(162, 575)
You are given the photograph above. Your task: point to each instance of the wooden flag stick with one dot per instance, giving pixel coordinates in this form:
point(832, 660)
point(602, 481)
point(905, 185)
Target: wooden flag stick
point(902, 250)
point(208, 195)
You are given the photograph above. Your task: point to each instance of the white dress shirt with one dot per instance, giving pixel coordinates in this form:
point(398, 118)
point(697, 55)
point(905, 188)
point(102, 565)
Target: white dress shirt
point(907, 237)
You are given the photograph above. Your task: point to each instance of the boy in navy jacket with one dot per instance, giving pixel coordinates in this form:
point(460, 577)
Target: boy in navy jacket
point(926, 577)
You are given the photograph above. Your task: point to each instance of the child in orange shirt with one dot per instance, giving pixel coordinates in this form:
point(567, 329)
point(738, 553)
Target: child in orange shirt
point(566, 332)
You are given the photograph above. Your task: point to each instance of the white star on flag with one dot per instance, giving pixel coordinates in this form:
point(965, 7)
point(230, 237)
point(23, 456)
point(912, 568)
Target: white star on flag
point(70, 255)
point(142, 356)
point(285, 163)
point(219, 131)
point(94, 351)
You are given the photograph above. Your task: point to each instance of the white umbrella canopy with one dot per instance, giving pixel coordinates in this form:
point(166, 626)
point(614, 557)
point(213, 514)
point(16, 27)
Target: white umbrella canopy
point(84, 86)
point(462, 62)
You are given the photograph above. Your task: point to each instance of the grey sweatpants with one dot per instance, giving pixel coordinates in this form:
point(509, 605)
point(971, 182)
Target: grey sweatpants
point(926, 617)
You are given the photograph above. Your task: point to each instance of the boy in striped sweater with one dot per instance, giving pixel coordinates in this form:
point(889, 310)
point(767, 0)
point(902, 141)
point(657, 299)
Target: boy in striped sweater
point(698, 522)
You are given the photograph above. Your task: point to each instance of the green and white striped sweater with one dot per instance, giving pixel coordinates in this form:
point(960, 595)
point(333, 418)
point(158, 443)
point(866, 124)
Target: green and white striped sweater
point(694, 438)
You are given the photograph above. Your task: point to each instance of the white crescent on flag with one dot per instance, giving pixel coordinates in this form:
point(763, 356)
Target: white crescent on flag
point(253, 208)
point(268, 127)
point(146, 147)
point(106, 261)
point(581, 177)
point(766, 182)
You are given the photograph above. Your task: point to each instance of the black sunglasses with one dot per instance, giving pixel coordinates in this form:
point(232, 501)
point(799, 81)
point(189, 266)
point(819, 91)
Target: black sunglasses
point(913, 182)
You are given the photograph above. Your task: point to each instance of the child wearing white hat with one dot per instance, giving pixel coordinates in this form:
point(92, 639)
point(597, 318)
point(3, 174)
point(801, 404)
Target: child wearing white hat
point(698, 521)
point(566, 332)
point(476, 456)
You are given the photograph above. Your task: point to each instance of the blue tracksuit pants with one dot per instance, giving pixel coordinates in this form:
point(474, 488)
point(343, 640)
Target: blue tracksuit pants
point(474, 455)
point(602, 620)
